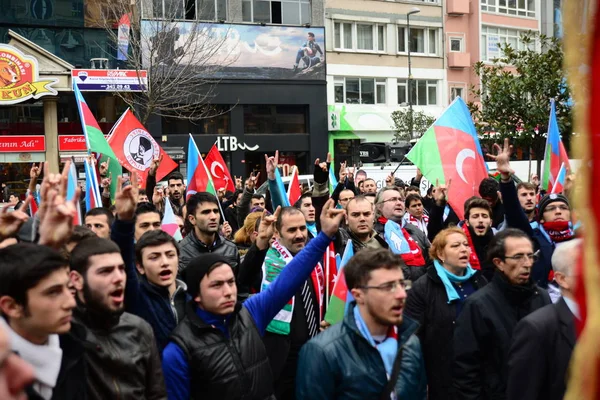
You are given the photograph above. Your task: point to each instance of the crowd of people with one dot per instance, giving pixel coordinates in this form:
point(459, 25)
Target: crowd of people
point(437, 307)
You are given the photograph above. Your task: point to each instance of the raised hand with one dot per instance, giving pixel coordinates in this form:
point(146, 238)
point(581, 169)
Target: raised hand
point(103, 169)
point(331, 218)
point(343, 172)
point(53, 183)
point(503, 159)
point(158, 197)
point(10, 223)
point(271, 164)
point(35, 171)
point(440, 192)
point(238, 182)
point(251, 182)
point(56, 226)
point(126, 198)
point(154, 165)
point(389, 180)
point(266, 229)
point(351, 171)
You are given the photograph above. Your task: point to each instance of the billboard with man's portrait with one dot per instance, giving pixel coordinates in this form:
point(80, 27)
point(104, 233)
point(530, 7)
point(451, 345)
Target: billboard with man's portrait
point(236, 51)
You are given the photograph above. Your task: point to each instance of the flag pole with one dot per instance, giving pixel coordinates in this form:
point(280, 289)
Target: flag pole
point(327, 272)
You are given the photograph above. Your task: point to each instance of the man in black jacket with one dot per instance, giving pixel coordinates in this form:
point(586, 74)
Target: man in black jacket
point(484, 328)
point(203, 214)
point(544, 340)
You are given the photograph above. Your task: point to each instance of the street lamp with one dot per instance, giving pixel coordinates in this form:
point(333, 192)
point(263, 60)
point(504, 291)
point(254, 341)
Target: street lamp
point(412, 11)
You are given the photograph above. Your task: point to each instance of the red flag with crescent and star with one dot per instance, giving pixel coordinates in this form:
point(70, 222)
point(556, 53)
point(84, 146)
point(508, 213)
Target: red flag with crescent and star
point(218, 170)
point(135, 148)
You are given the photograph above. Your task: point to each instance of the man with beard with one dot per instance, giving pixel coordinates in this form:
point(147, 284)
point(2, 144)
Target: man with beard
point(123, 361)
point(553, 224)
point(360, 218)
point(203, 214)
point(528, 198)
point(369, 186)
point(374, 353)
point(99, 220)
point(175, 185)
point(485, 326)
point(216, 351)
point(410, 242)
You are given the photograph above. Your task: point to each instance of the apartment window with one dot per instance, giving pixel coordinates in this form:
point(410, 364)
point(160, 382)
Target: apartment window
point(287, 12)
point(456, 44)
point(424, 92)
point(203, 10)
point(359, 90)
point(422, 41)
point(522, 8)
point(359, 36)
point(456, 92)
point(492, 37)
point(270, 119)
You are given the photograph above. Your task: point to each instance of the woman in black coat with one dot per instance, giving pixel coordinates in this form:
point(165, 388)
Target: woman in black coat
point(436, 299)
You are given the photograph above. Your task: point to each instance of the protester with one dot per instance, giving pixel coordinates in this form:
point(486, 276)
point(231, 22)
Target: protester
point(147, 218)
point(369, 185)
point(528, 198)
point(345, 196)
point(305, 205)
point(436, 300)
point(415, 214)
point(489, 190)
point(554, 218)
point(15, 373)
point(203, 214)
point(231, 210)
point(374, 352)
point(543, 341)
point(143, 196)
point(218, 334)
point(80, 232)
point(360, 219)
point(36, 307)
point(389, 205)
point(99, 220)
point(248, 200)
point(484, 328)
point(246, 235)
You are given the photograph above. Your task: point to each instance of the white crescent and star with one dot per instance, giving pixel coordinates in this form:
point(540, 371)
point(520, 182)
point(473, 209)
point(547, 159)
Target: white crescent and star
point(460, 160)
point(213, 168)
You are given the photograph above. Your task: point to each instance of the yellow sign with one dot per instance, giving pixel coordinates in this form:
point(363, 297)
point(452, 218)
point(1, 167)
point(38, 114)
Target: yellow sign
point(19, 77)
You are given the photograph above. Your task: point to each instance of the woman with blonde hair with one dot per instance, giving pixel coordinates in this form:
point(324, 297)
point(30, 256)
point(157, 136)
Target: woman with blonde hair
point(246, 235)
point(435, 301)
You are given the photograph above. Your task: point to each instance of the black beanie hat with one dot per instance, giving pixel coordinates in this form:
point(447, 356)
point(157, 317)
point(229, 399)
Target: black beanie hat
point(197, 268)
point(551, 198)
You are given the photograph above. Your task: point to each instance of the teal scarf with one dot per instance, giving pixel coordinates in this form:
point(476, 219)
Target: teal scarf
point(312, 228)
point(387, 349)
point(448, 278)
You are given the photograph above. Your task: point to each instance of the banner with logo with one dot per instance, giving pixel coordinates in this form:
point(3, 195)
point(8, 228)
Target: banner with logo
point(135, 148)
point(218, 170)
point(235, 51)
point(123, 37)
point(19, 77)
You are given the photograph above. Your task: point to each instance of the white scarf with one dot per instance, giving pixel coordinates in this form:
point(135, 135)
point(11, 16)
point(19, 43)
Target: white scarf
point(45, 359)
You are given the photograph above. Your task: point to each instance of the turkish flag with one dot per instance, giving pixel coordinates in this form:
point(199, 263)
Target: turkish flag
point(294, 192)
point(135, 148)
point(218, 170)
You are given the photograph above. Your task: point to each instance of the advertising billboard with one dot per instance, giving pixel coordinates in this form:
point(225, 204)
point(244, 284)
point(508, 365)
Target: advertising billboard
point(235, 51)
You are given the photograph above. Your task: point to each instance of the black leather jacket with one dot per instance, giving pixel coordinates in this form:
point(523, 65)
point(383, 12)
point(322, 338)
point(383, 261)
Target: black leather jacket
point(190, 247)
point(122, 359)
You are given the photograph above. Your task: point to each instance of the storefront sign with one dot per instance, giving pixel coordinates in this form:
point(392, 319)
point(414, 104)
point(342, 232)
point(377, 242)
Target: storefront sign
point(22, 144)
point(72, 143)
point(19, 77)
point(334, 120)
point(110, 80)
point(230, 143)
point(235, 51)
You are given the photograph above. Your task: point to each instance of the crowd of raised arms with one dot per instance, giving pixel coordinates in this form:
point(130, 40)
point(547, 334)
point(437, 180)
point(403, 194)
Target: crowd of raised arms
point(251, 304)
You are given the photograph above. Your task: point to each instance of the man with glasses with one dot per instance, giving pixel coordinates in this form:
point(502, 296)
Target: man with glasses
point(484, 329)
point(554, 219)
point(345, 196)
point(374, 352)
point(543, 341)
point(410, 242)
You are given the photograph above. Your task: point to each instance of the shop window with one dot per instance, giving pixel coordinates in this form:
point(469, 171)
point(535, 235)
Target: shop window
point(275, 119)
point(217, 124)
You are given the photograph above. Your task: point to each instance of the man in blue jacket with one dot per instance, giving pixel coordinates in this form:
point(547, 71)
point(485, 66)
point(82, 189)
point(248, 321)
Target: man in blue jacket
point(374, 352)
point(216, 352)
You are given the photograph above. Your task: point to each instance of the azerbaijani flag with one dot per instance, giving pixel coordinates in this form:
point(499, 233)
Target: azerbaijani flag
point(450, 150)
point(333, 182)
point(199, 180)
point(294, 191)
point(341, 296)
point(33, 206)
point(169, 223)
point(559, 185)
point(95, 140)
point(555, 155)
point(71, 191)
point(284, 201)
point(93, 197)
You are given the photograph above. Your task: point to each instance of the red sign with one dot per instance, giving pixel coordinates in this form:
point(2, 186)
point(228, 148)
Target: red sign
point(71, 143)
point(22, 144)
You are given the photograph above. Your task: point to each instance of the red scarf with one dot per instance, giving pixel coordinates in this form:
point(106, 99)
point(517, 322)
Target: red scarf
point(559, 231)
point(414, 258)
point(473, 259)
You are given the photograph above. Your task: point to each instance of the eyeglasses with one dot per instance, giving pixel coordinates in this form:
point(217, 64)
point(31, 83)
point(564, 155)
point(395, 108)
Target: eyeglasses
point(346, 199)
point(393, 200)
point(520, 258)
point(391, 287)
point(561, 207)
